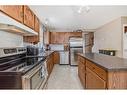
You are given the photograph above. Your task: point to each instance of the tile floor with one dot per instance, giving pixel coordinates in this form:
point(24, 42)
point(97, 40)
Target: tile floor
point(64, 77)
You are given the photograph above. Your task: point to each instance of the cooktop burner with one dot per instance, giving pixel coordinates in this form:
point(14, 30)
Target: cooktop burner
point(25, 66)
point(16, 60)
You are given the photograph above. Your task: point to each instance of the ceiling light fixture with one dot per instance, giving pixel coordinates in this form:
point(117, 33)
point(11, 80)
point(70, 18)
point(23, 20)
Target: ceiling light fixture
point(82, 8)
point(87, 8)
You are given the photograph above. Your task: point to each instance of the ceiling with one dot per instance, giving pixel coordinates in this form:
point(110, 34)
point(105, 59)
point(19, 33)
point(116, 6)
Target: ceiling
point(67, 18)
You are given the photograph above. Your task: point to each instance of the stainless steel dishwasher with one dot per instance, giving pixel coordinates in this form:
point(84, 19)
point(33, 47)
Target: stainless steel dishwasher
point(64, 57)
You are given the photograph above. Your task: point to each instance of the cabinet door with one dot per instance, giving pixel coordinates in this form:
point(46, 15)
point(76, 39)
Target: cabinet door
point(50, 63)
point(37, 29)
point(14, 11)
point(37, 24)
point(28, 17)
point(81, 71)
point(93, 81)
point(56, 58)
point(30, 39)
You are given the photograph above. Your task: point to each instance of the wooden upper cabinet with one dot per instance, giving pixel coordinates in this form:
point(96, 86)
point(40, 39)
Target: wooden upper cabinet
point(63, 37)
point(15, 11)
point(50, 63)
point(34, 39)
point(36, 24)
point(37, 29)
point(28, 17)
point(24, 15)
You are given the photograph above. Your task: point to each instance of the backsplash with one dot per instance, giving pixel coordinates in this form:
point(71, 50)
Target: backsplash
point(10, 40)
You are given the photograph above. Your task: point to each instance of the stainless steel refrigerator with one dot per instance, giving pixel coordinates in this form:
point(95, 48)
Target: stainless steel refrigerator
point(76, 46)
point(80, 45)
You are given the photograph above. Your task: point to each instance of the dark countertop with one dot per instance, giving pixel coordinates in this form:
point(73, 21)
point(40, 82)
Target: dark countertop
point(109, 63)
point(46, 53)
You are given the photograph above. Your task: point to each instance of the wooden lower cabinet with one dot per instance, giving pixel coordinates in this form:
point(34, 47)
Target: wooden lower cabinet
point(93, 81)
point(56, 57)
point(92, 76)
point(82, 76)
point(50, 63)
point(52, 59)
point(117, 80)
point(81, 70)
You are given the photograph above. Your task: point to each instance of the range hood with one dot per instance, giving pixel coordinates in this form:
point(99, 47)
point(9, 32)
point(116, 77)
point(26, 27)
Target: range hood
point(15, 29)
point(10, 25)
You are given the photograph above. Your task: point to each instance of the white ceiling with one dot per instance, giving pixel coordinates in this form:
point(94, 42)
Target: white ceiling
point(67, 18)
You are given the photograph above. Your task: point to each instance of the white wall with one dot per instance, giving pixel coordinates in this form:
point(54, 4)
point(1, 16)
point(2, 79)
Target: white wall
point(109, 36)
point(124, 22)
point(13, 40)
point(10, 40)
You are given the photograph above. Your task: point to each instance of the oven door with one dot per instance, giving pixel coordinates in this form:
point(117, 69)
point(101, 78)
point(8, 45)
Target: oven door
point(34, 78)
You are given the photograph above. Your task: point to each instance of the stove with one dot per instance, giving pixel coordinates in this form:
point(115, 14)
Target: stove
point(15, 63)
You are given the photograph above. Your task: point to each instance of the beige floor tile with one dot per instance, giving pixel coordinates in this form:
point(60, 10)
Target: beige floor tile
point(64, 77)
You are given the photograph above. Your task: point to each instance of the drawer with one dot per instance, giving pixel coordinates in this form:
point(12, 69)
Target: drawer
point(81, 59)
point(99, 71)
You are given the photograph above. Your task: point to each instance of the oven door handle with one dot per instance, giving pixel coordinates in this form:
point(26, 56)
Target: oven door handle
point(31, 73)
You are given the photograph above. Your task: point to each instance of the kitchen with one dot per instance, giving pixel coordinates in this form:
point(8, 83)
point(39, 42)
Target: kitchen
point(44, 48)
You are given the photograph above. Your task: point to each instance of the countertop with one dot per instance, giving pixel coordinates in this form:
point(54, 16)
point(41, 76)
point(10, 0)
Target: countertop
point(109, 63)
point(46, 53)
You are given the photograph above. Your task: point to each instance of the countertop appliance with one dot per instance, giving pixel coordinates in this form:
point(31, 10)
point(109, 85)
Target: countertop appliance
point(32, 51)
point(107, 52)
point(76, 46)
point(14, 69)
